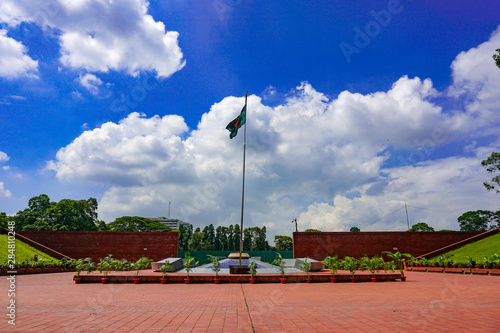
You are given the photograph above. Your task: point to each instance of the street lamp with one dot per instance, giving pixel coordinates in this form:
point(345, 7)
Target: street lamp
point(296, 229)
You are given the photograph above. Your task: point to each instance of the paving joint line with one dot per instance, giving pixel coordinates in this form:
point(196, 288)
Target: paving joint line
point(248, 310)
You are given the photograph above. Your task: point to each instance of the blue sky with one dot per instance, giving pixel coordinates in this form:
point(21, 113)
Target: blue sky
point(354, 109)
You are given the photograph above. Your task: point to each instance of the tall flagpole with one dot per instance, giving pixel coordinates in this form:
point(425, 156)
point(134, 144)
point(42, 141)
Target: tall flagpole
point(243, 187)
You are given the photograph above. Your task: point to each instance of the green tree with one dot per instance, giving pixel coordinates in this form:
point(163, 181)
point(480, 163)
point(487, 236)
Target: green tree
point(479, 220)
point(136, 223)
point(283, 243)
point(67, 214)
point(236, 237)
point(421, 226)
point(102, 226)
point(247, 239)
point(492, 165)
point(312, 230)
point(209, 232)
point(221, 242)
point(230, 238)
point(33, 217)
point(4, 220)
point(255, 239)
point(197, 242)
point(354, 229)
point(73, 215)
point(185, 233)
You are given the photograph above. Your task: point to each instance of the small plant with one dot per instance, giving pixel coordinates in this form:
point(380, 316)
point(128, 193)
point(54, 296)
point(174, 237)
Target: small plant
point(80, 266)
point(280, 263)
point(495, 260)
point(350, 264)
point(252, 267)
point(332, 263)
point(425, 262)
point(142, 263)
point(398, 259)
point(486, 262)
point(188, 263)
point(389, 266)
point(215, 264)
point(445, 260)
point(121, 265)
point(305, 265)
point(105, 265)
point(165, 268)
point(372, 264)
point(71, 263)
point(470, 262)
point(89, 265)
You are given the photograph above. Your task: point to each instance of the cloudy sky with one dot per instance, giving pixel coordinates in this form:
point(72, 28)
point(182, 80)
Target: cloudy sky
point(354, 109)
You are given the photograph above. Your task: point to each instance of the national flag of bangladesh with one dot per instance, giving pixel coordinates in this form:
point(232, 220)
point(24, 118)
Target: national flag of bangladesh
point(237, 123)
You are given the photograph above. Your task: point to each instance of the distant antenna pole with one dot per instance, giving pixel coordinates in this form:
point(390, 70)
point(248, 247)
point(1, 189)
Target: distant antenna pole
point(169, 203)
point(296, 228)
point(407, 220)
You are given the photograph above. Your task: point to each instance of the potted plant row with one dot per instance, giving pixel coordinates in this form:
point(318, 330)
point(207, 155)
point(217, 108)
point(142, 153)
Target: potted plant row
point(188, 264)
point(164, 269)
point(350, 264)
point(332, 263)
point(373, 264)
point(398, 259)
point(252, 268)
point(215, 267)
point(280, 263)
point(305, 265)
point(140, 264)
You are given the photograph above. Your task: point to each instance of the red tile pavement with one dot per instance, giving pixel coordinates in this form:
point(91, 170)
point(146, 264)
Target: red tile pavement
point(426, 302)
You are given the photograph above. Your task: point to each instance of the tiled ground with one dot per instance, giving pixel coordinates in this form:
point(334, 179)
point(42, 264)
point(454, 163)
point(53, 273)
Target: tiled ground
point(426, 302)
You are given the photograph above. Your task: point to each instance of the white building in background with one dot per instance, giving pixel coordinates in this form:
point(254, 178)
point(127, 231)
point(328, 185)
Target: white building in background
point(171, 223)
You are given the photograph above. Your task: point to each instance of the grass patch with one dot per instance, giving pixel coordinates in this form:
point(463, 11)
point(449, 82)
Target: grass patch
point(23, 251)
point(477, 250)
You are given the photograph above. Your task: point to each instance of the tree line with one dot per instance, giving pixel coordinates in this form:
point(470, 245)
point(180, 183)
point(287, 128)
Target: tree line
point(222, 238)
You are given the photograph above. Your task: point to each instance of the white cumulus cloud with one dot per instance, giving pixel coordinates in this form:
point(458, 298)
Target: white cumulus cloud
point(4, 193)
point(103, 35)
point(14, 60)
point(3, 157)
point(90, 82)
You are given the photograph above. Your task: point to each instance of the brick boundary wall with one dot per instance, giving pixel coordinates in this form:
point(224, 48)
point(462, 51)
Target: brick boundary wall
point(98, 244)
point(318, 245)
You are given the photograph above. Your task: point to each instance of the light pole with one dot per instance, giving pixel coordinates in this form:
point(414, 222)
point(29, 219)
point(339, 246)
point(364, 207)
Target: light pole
point(296, 228)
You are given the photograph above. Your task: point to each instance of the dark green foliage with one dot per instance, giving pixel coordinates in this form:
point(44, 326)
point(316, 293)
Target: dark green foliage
point(197, 242)
point(312, 230)
point(185, 234)
point(209, 232)
point(136, 223)
point(421, 226)
point(72, 215)
point(222, 239)
point(496, 57)
point(354, 229)
point(479, 220)
point(283, 243)
point(4, 219)
point(492, 165)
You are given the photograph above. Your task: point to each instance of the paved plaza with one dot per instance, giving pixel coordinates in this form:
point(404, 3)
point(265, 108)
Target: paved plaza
point(426, 302)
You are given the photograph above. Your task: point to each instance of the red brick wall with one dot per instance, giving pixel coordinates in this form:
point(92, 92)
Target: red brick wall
point(98, 244)
point(318, 245)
